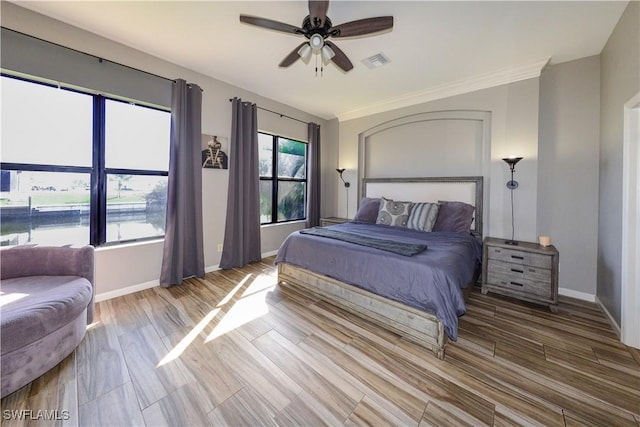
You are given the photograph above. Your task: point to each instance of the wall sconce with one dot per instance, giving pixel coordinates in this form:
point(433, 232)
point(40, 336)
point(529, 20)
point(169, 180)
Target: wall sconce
point(511, 161)
point(340, 172)
point(346, 188)
point(512, 185)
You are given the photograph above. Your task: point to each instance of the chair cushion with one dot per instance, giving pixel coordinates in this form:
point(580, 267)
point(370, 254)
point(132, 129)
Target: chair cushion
point(35, 306)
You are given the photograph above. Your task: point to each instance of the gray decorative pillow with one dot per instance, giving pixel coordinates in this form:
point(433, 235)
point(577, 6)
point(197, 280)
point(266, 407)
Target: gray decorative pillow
point(394, 213)
point(423, 216)
point(454, 216)
point(368, 210)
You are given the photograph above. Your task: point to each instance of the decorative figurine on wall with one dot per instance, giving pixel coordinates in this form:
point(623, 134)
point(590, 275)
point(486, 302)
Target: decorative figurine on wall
point(213, 157)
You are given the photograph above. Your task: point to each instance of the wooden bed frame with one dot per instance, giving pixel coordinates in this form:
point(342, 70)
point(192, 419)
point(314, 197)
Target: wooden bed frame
point(415, 325)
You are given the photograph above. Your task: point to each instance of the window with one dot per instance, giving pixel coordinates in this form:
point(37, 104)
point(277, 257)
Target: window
point(283, 179)
point(80, 168)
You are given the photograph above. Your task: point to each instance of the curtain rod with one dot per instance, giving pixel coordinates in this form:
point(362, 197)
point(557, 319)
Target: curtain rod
point(100, 59)
point(280, 114)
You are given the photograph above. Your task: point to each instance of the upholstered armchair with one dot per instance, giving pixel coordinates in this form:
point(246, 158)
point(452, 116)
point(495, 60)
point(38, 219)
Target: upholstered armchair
point(46, 299)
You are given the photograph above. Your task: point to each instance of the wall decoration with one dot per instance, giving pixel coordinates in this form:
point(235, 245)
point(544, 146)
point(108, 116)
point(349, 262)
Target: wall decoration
point(213, 157)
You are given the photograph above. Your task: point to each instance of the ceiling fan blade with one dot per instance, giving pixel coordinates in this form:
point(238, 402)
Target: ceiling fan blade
point(362, 27)
point(318, 12)
point(292, 57)
point(340, 59)
point(270, 24)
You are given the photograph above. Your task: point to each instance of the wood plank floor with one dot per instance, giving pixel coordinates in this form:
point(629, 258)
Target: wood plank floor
point(233, 349)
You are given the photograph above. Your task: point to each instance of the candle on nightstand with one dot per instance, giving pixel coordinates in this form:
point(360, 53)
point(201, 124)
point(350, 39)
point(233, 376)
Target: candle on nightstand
point(544, 240)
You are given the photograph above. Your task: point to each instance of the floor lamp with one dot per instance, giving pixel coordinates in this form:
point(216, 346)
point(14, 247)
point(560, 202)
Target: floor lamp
point(512, 185)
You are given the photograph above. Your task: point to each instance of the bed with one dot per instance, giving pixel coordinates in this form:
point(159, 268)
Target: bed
point(419, 295)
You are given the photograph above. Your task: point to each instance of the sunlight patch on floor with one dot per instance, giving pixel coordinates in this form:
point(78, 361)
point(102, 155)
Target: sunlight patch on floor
point(189, 338)
point(252, 305)
point(261, 283)
point(230, 295)
point(93, 325)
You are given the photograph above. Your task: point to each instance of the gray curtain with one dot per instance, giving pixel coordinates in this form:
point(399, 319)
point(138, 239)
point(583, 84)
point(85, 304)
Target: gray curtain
point(183, 254)
point(242, 229)
point(313, 179)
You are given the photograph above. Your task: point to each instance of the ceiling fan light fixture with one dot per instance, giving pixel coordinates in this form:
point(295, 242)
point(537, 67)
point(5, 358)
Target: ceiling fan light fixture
point(317, 28)
point(327, 53)
point(316, 42)
point(305, 52)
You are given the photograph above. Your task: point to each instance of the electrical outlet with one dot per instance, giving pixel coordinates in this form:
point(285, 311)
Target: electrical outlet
point(219, 247)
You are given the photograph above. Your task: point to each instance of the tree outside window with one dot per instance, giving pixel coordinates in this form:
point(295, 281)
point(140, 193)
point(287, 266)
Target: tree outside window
point(283, 179)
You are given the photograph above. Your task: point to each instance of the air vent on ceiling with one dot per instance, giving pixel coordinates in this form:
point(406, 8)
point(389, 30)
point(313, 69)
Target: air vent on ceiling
point(376, 61)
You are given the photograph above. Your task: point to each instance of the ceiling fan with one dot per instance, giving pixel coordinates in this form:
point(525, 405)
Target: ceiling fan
point(317, 27)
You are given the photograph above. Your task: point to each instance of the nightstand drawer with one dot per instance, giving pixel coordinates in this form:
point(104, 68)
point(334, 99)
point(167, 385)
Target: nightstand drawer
point(521, 284)
point(519, 272)
point(519, 257)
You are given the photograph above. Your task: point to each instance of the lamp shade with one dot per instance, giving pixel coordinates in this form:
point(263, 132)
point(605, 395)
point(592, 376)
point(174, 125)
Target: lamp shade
point(512, 161)
point(305, 52)
point(340, 171)
point(316, 42)
point(327, 53)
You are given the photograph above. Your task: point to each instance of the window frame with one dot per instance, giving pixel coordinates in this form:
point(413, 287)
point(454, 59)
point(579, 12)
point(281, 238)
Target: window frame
point(275, 179)
point(97, 171)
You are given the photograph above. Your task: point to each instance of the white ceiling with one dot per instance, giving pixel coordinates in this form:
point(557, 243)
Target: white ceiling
point(435, 48)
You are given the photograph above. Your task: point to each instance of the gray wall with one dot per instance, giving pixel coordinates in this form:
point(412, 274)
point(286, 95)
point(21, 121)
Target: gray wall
point(568, 153)
point(619, 81)
point(514, 131)
point(43, 59)
point(139, 264)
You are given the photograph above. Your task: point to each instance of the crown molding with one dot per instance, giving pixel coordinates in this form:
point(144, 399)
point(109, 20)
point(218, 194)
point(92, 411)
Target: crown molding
point(483, 81)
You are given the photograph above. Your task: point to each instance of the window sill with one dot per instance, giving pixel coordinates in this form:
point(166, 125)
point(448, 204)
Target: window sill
point(128, 245)
point(280, 224)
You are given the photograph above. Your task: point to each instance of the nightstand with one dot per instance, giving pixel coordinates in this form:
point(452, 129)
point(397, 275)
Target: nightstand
point(527, 271)
point(333, 220)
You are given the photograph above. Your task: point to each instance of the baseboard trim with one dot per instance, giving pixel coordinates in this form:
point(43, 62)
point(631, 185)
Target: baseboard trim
point(125, 291)
point(612, 321)
point(212, 268)
point(142, 286)
point(576, 294)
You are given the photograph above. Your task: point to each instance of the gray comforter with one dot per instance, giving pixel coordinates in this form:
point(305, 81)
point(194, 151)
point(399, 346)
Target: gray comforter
point(431, 280)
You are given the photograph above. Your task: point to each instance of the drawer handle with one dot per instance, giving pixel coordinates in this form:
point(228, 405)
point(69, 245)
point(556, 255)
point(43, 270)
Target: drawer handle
point(517, 284)
point(515, 270)
point(517, 257)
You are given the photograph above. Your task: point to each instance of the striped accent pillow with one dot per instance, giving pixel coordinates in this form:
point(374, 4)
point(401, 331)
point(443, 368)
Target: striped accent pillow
point(423, 216)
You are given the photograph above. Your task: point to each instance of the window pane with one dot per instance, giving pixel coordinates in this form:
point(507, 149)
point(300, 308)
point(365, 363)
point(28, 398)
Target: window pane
point(45, 125)
point(136, 137)
point(136, 206)
point(265, 201)
point(291, 200)
point(265, 154)
point(48, 208)
point(292, 159)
